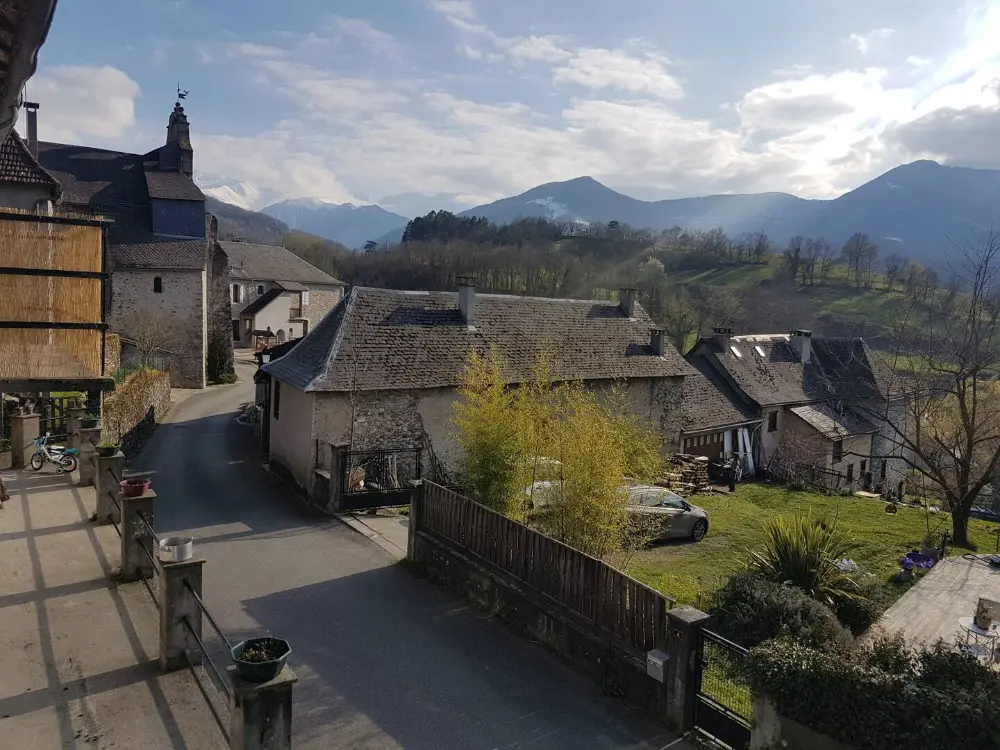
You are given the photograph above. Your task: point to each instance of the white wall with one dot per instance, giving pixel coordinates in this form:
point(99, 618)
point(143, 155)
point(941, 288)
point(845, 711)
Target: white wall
point(292, 432)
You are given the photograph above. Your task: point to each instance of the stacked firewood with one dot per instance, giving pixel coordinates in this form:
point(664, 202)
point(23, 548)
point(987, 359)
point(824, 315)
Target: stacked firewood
point(686, 474)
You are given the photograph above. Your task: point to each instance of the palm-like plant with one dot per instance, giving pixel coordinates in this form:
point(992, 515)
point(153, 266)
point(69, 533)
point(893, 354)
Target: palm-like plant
point(805, 553)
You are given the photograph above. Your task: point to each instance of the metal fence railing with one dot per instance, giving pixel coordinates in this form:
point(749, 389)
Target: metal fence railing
point(141, 533)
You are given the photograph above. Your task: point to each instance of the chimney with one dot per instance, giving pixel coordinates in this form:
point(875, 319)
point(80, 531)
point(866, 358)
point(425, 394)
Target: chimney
point(626, 300)
point(722, 336)
point(467, 300)
point(801, 342)
point(32, 109)
point(658, 341)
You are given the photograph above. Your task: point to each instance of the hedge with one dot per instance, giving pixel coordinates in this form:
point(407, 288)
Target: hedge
point(934, 698)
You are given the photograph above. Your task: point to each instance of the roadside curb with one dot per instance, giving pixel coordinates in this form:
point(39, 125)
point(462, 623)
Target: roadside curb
point(367, 531)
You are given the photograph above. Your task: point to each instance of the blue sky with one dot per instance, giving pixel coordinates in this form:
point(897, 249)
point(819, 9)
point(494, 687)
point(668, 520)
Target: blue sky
point(478, 99)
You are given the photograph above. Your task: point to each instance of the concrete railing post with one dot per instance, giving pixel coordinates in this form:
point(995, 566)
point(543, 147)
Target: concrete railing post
point(684, 626)
point(416, 508)
point(109, 489)
point(261, 716)
point(135, 536)
point(178, 647)
point(338, 457)
point(23, 430)
point(74, 421)
point(90, 437)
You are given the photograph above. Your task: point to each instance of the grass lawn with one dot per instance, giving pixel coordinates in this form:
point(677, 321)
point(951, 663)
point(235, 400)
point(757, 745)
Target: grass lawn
point(686, 570)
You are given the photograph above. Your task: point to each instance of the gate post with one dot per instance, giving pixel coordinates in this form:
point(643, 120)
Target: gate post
point(109, 489)
point(135, 537)
point(338, 461)
point(684, 626)
point(89, 438)
point(23, 430)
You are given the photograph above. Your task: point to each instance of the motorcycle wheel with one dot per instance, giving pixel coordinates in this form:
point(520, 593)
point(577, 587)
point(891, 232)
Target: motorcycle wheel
point(37, 461)
point(68, 463)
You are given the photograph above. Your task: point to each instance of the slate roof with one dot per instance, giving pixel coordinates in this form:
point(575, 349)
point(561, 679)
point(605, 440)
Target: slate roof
point(710, 403)
point(385, 339)
point(261, 302)
point(833, 423)
point(272, 263)
point(18, 165)
point(115, 184)
point(854, 370)
point(172, 185)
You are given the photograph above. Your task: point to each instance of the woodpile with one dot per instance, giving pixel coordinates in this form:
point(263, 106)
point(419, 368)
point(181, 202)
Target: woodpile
point(686, 474)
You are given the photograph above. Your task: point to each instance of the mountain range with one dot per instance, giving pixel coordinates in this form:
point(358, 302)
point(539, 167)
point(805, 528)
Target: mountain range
point(917, 210)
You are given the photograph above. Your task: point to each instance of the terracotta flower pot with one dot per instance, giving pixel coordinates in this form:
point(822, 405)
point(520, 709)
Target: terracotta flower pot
point(135, 487)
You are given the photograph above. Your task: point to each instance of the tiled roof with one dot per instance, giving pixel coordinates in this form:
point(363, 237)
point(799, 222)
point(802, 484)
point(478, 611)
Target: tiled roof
point(271, 263)
point(833, 423)
point(18, 165)
point(711, 403)
point(386, 339)
point(261, 302)
point(172, 185)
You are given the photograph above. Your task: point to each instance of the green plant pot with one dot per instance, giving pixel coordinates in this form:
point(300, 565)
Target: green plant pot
point(107, 451)
point(89, 424)
point(261, 671)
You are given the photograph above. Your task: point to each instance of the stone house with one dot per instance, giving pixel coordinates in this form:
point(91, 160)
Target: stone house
point(382, 370)
point(24, 184)
point(717, 421)
point(831, 402)
point(165, 262)
point(272, 289)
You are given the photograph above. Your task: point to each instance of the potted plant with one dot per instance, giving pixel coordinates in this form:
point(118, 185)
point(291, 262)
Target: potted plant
point(135, 486)
point(260, 659)
point(90, 420)
point(107, 448)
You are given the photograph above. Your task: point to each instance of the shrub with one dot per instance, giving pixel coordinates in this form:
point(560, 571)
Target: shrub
point(804, 552)
point(750, 609)
point(4, 445)
point(862, 611)
point(882, 698)
point(219, 362)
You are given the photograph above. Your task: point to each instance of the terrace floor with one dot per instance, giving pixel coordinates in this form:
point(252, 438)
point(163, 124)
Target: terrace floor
point(931, 608)
point(78, 667)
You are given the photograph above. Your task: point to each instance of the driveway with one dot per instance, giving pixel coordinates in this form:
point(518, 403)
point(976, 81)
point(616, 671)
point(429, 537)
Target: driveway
point(384, 659)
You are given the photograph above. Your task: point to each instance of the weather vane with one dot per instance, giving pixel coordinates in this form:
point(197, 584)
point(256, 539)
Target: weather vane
point(181, 94)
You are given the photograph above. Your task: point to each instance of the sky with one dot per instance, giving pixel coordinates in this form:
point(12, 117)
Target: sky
point(473, 100)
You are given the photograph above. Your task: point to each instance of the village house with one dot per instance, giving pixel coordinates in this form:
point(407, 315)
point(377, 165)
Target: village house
point(275, 295)
point(827, 402)
point(382, 370)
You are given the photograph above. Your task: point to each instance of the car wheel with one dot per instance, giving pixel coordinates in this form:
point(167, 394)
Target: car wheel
point(699, 530)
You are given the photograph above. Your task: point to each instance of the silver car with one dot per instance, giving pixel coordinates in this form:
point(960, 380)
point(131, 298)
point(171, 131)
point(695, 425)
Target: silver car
point(673, 517)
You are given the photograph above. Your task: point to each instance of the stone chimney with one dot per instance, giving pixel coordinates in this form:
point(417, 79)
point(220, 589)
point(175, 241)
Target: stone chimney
point(626, 300)
point(178, 132)
point(801, 342)
point(722, 336)
point(467, 300)
point(658, 341)
point(32, 109)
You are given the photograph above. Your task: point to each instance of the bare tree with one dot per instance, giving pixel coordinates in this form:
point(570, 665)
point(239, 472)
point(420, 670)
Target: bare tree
point(152, 333)
point(793, 255)
point(952, 434)
point(680, 318)
point(827, 259)
point(893, 266)
point(858, 254)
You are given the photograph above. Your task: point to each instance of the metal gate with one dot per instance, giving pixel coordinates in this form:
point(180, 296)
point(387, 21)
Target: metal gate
point(723, 708)
point(379, 478)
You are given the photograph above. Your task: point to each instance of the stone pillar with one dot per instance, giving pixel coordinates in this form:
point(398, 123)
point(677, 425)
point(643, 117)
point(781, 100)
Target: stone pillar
point(89, 439)
point(109, 489)
point(684, 626)
point(416, 508)
point(766, 732)
point(261, 715)
point(74, 421)
point(23, 430)
point(178, 647)
point(135, 537)
point(338, 457)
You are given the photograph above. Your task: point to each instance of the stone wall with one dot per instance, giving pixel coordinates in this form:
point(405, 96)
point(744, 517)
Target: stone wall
point(322, 299)
point(886, 443)
point(112, 354)
point(181, 307)
point(130, 413)
point(772, 730)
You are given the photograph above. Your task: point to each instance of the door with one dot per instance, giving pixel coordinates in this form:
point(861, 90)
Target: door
point(236, 330)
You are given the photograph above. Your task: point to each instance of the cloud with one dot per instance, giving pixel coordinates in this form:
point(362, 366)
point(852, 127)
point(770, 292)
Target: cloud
point(372, 38)
point(462, 9)
point(604, 68)
point(543, 48)
point(915, 61)
point(83, 103)
point(863, 42)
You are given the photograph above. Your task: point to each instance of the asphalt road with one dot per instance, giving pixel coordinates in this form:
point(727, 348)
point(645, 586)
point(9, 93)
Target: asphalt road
point(384, 659)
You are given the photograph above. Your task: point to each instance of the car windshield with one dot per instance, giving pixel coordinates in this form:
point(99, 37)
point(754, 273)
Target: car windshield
point(658, 498)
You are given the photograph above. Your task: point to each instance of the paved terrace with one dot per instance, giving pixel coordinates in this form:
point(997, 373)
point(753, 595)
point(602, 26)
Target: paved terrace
point(78, 664)
point(931, 608)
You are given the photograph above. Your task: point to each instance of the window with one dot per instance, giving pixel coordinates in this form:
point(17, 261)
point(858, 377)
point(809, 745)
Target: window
point(249, 324)
point(736, 352)
point(236, 292)
point(850, 472)
point(772, 422)
point(305, 298)
point(236, 330)
point(760, 352)
point(838, 451)
point(260, 289)
point(864, 467)
point(882, 470)
point(277, 398)
point(157, 285)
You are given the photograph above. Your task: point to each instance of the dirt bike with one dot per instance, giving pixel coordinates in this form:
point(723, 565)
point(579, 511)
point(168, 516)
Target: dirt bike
point(63, 458)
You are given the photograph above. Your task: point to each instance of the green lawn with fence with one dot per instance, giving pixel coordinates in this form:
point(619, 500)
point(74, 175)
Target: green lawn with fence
point(688, 570)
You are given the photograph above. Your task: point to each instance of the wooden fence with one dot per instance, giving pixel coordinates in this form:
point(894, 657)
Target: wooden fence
point(631, 612)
